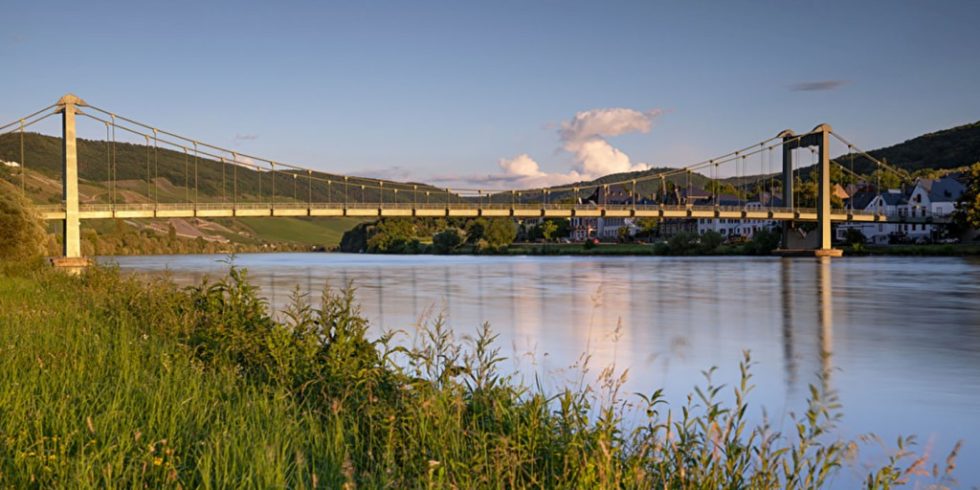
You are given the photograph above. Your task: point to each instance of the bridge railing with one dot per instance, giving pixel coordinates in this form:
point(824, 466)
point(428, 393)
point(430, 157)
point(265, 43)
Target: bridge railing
point(673, 208)
point(103, 207)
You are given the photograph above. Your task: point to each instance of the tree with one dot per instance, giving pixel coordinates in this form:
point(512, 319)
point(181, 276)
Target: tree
point(683, 243)
point(623, 233)
point(23, 237)
point(475, 230)
point(763, 242)
point(710, 241)
point(648, 226)
point(391, 236)
point(548, 229)
point(447, 240)
point(500, 232)
point(854, 236)
point(967, 212)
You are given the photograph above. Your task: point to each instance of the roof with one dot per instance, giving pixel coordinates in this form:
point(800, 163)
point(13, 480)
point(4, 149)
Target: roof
point(861, 199)
point(946, 189)
point(893, 197)
point(614, 194)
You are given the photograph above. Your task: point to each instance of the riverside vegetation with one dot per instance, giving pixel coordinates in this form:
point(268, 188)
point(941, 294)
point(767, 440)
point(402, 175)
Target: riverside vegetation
point(504, 236)
point(115, 381)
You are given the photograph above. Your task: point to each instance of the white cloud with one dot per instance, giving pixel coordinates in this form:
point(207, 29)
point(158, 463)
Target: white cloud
point(523, 171)
point(597, 123)
point(584, 136)
point(522, 165)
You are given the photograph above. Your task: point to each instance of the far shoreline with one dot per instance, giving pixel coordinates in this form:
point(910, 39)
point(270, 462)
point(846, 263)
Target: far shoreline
point(629, 250)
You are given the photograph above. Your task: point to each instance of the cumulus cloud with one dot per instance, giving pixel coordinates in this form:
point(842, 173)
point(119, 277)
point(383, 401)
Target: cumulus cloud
point(817, 86)
point(584, 136)
point(598, 123)
point(522, 165)
point(526, 172)
point(521, 171)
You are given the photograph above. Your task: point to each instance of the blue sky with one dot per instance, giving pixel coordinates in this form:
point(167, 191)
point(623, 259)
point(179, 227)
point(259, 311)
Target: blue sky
point(458, 91)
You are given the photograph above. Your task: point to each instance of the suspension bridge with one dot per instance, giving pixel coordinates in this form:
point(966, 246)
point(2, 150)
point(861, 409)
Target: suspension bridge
point(234, 181)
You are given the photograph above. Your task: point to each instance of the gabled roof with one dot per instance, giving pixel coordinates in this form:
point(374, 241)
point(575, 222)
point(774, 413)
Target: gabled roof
point(861, 199)
point(893, 197)
point(615, 194)
point(946, 189)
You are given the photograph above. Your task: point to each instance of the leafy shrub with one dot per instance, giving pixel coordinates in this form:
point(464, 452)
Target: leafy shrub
point(22, 237)
point(500, 232)
point(683, 243)
point(446, 241)
point(763, 242)
point(854, 236)
point(710, 241)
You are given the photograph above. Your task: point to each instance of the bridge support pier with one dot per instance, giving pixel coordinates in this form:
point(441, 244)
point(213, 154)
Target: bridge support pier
point(72, 246)
point(820, 138)
point(788, 147)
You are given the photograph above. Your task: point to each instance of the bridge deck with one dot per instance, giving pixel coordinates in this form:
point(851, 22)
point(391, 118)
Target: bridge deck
point(220, 210)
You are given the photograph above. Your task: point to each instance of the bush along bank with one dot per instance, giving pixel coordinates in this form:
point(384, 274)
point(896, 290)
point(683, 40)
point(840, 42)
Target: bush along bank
point(503, 236)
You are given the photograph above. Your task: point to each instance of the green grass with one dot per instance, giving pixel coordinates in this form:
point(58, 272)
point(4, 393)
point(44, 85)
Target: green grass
point(106, 381)
point(952, 249)
point(91, 398)
point(308, 231)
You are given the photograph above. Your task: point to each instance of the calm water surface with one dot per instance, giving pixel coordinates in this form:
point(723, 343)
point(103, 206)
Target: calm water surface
point(898, 338)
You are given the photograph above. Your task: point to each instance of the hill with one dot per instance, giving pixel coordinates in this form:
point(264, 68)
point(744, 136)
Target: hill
point(43, 184)
point(147, 174)
point(948, 148)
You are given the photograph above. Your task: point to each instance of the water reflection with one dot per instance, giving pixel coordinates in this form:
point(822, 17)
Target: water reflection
point(899, 339)
point(826, 321)
point(786, 294)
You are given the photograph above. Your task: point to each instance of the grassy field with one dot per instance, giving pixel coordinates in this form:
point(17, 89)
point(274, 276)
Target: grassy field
point(106, 381)
point(323, 232)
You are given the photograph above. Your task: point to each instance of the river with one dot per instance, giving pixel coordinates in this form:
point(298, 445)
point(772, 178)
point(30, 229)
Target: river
point(898, 338)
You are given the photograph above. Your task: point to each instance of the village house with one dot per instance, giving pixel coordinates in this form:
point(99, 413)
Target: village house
point(728, 227)
point(606, 228)
point(930, 198)
point(886, 203)
point(927, 199)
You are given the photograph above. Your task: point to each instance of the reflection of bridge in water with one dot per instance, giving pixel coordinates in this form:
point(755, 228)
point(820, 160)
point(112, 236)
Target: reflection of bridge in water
point(825, 321)
point(329, 195)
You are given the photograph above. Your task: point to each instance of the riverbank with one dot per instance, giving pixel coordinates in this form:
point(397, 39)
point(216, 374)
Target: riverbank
point(935, 250)
point(112, 381)
point(640, 249)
